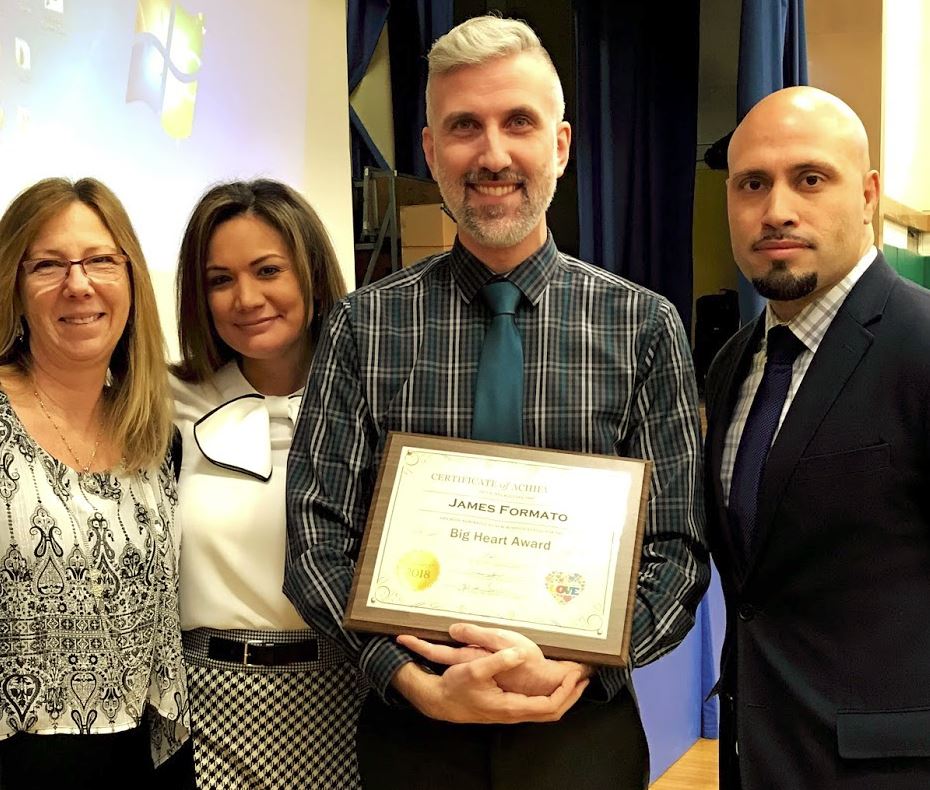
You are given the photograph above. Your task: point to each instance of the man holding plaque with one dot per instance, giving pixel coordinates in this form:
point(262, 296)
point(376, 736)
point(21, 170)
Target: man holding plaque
point(818, 476)
point(503, 339)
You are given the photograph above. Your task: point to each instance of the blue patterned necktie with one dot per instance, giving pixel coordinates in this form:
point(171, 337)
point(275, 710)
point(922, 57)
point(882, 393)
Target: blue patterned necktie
point(498, 414)
point(782, 348)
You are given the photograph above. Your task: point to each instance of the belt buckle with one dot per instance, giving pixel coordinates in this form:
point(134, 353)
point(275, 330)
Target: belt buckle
point(253, 643)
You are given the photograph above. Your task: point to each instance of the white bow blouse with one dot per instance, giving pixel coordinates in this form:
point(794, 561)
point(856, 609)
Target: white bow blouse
point(237, 434)
point(231, 510)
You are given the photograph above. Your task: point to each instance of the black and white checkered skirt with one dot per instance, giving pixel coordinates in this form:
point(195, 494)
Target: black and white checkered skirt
point(260, 727)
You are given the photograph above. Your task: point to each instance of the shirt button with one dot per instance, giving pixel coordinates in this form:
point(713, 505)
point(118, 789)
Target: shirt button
point(746, 612)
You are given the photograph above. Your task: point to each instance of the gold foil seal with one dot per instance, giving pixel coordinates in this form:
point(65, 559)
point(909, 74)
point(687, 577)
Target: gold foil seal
point(418, 569)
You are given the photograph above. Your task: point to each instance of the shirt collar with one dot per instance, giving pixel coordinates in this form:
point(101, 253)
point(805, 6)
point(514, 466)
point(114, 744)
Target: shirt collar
point(231, 384)
point(812, 323)
point(532, 276)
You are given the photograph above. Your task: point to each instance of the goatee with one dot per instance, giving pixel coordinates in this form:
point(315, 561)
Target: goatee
point(780, 285)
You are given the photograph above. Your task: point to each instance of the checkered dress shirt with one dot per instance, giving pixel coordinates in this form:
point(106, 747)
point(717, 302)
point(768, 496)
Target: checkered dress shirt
point(809, 326)
point(607, 370)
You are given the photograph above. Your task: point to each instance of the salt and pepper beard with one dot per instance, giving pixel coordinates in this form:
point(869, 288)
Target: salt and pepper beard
point(495, 225)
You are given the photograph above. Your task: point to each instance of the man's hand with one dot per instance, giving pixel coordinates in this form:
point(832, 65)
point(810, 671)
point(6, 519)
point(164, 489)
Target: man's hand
point(536, 675)
point(468, 694)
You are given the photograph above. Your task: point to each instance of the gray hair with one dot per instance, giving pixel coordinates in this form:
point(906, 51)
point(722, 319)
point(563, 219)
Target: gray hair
point(485, 38)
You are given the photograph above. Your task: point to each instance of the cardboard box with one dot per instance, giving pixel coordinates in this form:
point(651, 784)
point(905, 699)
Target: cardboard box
point(410, 255)
point(426, 226)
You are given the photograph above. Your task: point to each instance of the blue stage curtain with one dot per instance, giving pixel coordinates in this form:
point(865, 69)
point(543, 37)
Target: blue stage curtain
point(635, 140)
point(364, 22)
point(772, 55)
point(413, 26)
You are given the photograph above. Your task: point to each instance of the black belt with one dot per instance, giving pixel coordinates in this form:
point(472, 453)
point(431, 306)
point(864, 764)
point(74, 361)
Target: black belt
point(262, 653)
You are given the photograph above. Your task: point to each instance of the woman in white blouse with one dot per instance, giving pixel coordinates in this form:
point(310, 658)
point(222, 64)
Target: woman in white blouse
point(273, 703)
point(92, 684)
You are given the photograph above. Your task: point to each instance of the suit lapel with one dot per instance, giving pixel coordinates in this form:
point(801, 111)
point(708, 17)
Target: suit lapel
point(842, 348)
point(719, 416)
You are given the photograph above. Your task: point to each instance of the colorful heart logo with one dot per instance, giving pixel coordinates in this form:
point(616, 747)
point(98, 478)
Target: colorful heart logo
point(564, 587)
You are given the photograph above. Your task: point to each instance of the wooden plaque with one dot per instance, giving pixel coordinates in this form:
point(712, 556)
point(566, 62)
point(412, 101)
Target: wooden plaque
point(542, 542)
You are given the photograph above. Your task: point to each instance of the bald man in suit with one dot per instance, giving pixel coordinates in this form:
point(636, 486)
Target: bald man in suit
point(818, 470)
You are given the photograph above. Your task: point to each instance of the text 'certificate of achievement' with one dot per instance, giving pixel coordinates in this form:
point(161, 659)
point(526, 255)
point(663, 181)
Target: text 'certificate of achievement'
point(542, 542)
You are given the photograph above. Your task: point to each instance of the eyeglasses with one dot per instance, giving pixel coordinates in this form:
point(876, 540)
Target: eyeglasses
point(99, 268)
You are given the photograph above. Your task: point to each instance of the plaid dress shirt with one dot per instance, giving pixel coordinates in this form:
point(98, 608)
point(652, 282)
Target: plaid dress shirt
point(607, 370)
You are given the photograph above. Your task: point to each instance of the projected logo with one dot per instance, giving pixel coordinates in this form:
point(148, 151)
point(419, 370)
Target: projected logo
point(165, 61)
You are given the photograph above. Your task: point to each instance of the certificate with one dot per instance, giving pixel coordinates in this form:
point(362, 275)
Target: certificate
point(542, 542)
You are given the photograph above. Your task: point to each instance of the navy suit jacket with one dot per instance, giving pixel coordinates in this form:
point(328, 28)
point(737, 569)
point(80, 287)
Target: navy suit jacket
point(825, 678)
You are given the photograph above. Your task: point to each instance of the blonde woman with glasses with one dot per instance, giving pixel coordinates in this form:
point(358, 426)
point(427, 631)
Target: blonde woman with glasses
point(92, 685)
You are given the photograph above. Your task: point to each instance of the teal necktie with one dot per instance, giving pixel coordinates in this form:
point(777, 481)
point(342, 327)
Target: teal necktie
point(498, 415)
